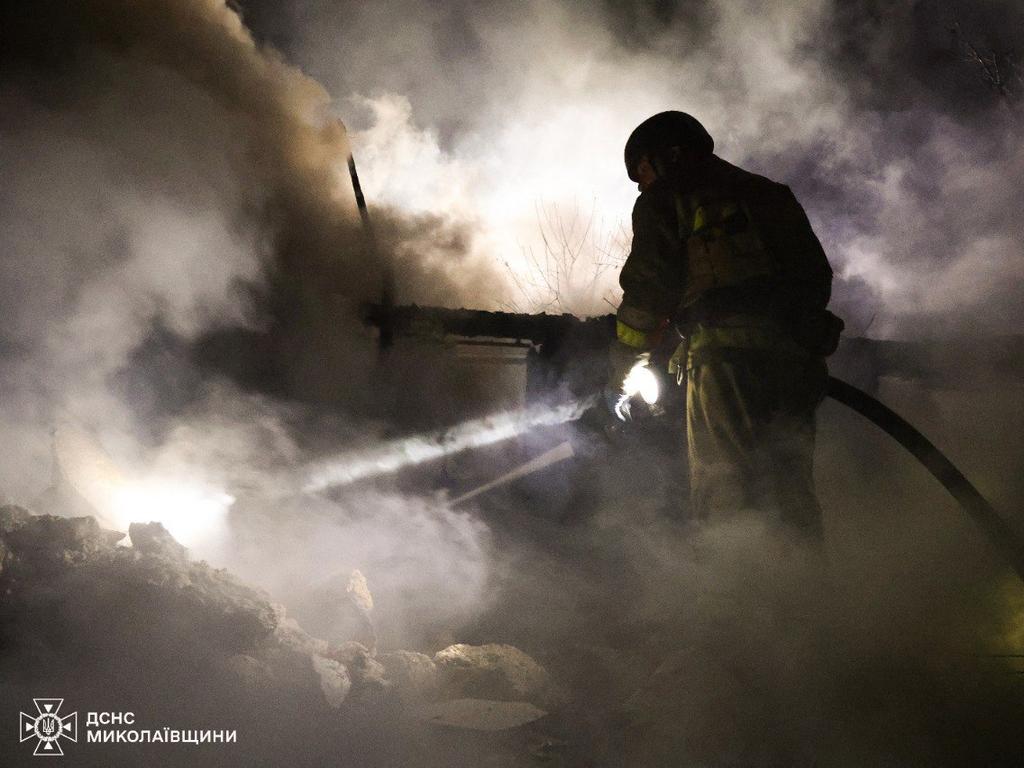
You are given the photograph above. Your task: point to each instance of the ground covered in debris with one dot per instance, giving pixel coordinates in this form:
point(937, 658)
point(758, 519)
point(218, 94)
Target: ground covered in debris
point(139, 626)
point(614, 634)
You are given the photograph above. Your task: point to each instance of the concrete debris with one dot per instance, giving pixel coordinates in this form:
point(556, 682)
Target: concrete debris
point(12, 516)
point(289, 634)
point(42, 549)
point(355, 617)
point(351, 654)
point(369, 677)
point(170, 623)
point(42, 543)
point(359, 591)
point(153, 539)
point(480, 714)
point(493, 671)
point(413, 675)
point(248, 670)
point(334, 680)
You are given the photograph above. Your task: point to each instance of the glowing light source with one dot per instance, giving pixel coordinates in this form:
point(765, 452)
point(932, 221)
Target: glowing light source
point(642, 381)
point(192, 513)
point(191, 509)
point(639, 381)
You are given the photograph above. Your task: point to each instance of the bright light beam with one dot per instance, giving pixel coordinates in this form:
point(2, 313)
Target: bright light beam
point(193, 510)
point(418, 449)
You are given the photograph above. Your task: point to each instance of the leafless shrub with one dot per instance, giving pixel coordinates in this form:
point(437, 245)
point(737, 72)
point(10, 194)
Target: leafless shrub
point(1000, 71)
point(569, 272)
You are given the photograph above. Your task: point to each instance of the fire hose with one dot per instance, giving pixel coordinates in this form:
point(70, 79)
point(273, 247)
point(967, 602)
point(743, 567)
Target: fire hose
point(991, 523)
point(642, 382)
point(394, 455)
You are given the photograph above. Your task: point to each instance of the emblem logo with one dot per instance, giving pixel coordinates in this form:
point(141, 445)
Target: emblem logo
point(48, 727)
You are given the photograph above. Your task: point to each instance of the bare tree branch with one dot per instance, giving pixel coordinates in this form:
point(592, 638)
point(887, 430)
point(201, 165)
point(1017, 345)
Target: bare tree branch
point(577, 253)
point(1000, 71)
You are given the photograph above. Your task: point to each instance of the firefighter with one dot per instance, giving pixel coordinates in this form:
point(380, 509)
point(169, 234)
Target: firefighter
point(728, 259)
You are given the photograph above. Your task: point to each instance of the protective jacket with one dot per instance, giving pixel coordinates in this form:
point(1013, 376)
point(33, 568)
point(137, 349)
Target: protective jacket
point(725, 248)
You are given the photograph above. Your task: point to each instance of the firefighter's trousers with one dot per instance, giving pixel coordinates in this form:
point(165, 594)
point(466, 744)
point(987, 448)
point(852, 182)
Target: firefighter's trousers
point(750, 423)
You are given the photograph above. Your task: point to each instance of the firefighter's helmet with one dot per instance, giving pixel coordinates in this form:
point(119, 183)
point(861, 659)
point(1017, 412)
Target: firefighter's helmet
point(657, 135)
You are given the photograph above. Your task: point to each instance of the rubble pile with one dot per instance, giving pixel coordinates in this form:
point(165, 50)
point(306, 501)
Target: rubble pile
point(134, 623)
point(41, 554)
point(495, 671)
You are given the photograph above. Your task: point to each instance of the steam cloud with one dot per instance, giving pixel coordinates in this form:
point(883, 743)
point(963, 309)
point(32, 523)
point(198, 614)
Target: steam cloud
point(171, 187)
point(907, 161)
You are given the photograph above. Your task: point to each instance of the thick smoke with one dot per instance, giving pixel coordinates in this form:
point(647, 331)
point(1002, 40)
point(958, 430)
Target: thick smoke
point(155, 162)
point(906, 159)
point(176, 205)
point(163, 171)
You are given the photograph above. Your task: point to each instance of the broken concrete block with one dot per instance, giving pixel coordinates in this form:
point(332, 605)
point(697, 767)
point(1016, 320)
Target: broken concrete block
point(358, 591)
point(237, 615)
point(153, 539)
point(12, 516)
point(335, 681)
point(359, 661)
point(369, 680)
point(45, 542)
point(492, 671)
point(289, 634)
point(250, 671)
point(413, 675)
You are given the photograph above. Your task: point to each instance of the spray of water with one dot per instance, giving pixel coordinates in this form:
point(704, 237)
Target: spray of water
point(418, 449)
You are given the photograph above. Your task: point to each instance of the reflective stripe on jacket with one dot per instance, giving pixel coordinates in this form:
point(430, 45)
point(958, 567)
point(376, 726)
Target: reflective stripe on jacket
point(727, 243)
